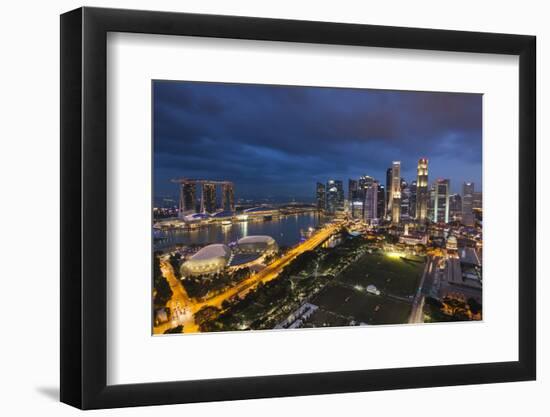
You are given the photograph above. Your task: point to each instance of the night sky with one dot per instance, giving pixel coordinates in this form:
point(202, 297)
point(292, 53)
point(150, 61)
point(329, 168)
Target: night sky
point(277, 141)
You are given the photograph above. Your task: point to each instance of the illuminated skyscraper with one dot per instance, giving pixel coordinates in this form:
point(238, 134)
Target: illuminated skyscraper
point(388, 191)
point(335, 196)
point(405, 200)
point(188, 199)
point(381, 201)
point(340, 187)
point(228, 197)
point(441, 201)
point(477, 205)
point(320, 196)
point(208, 198)
point(208, 201)
point(412, 199)
point(364, 182)
point(341, 199)
point(422, 195)
point(467, 203)
point(356, 199)
point(455, 207)
point(396, 192)
point(431, 203)
point(371, 201)
point(353, 190)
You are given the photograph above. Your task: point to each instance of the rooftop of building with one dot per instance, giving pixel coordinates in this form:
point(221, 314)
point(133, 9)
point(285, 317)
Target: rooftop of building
point(243, 258)
point(216, 250)
point(298, 205)
point(469, 256)
point(226, 213)
point(197, 216)
point(259, 209)
point(256, 239)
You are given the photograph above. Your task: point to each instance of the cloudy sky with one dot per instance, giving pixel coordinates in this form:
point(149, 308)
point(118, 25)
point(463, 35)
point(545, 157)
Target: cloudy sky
point(278, 141)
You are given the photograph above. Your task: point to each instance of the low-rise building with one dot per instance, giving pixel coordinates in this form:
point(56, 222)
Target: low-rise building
point(262, 211)
point(414, 238)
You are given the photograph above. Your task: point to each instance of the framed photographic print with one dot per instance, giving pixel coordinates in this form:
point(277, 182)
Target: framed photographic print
point(258, 207)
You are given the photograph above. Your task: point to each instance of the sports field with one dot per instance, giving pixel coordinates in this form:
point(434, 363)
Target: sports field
point(351, 305)
point(391, 274)
point(346, 299)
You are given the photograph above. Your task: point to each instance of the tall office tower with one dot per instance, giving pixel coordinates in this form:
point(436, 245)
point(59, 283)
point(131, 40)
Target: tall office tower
point(388, 191)
point(321, 196)
point(441, 202)
point(422, 194)
point(477, 203)
point(188, 198)
point(364, 182)
point(335, 196)
point(396, 192)
point(468, 203)
point(353, 190)
point(332, 197)
point(381, 201)
point(431, 203)
point(412, 199)
point(341, 199)
point(405, 200)
point(208, 198)
point(355, 198)
point(228, 197)
point(371, 201)
point(455, 207)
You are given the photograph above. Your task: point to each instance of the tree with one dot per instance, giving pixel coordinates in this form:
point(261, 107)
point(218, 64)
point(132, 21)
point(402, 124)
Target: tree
point(392, 239)
point(206, 313)
point(162, 291)
point(453, 305)
point(434, 303)
point(175, 260)
point(420, 248)
point(475, 307)
point(177, 329)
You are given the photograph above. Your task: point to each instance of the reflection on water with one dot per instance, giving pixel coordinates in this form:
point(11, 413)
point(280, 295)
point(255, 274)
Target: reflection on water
point(286, 230)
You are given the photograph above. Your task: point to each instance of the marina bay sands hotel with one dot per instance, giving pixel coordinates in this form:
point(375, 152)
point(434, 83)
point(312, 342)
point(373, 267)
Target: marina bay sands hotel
point(209, 202)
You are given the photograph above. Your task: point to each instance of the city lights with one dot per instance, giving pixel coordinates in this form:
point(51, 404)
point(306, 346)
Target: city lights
point(278, 221)
point(231, 272)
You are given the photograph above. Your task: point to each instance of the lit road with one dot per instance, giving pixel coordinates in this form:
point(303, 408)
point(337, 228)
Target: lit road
point(267, 274)
point(181, 314)
point(417, 311)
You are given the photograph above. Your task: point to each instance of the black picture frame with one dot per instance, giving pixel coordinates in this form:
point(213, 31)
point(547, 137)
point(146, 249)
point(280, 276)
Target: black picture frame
point(84, 207)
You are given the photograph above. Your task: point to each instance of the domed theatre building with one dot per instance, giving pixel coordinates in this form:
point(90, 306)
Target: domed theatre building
point(211, 259)
point(261, 245)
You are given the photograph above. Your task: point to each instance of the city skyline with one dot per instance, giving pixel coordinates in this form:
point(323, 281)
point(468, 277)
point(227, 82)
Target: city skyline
point(394, 234)
point(269, 140)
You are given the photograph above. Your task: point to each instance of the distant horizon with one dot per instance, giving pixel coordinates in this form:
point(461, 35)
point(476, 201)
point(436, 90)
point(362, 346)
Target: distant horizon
point(285, 199)
point(277, 142)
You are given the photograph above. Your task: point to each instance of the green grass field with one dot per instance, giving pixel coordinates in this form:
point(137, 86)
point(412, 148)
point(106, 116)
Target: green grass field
point(323, 318)
point(391, 275)
point(361, 307)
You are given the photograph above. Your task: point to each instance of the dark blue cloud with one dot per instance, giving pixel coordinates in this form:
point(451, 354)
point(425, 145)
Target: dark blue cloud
point(278, 141)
